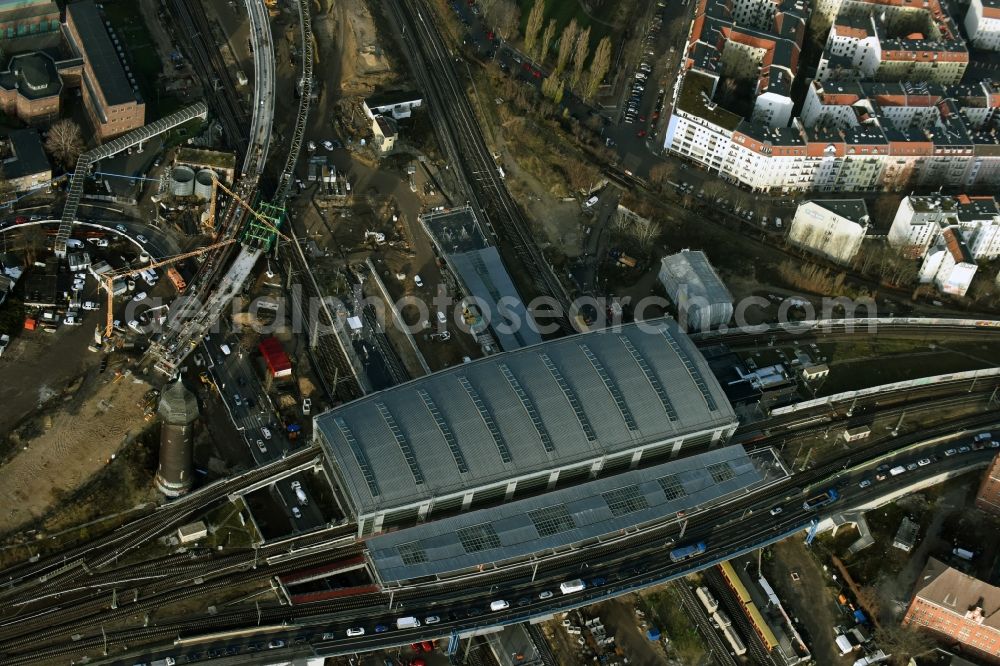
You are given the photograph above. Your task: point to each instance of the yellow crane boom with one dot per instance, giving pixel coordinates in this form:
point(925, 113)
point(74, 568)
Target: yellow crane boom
point(109, 278)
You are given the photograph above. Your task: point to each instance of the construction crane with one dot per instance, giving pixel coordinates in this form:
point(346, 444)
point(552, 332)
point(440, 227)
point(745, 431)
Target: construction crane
point(209, 221)
point(109, 278)
point(263, 220)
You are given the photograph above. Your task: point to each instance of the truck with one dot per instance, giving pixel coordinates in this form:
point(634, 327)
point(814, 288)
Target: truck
point(821, 500)
point(408, 622)
point(687, 552)
point(175, 279)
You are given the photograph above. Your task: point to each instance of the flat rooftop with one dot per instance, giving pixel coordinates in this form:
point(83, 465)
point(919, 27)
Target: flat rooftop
point(571, 515)
point(101, 53)
point(520, 413)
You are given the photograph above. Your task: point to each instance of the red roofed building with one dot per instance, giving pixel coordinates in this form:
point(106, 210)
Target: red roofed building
point(278, 363)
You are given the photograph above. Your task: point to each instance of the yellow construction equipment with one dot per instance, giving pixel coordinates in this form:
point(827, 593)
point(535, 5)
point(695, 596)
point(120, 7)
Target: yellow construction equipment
point(263, 220)
point(209, 222)
point(109, 278)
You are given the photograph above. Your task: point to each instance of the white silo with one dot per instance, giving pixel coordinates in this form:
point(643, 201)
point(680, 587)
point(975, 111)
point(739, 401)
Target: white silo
point(203, 184)
point(182, 181)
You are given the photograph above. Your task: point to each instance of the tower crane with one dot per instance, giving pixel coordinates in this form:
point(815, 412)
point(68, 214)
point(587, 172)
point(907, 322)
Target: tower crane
point(109, 278)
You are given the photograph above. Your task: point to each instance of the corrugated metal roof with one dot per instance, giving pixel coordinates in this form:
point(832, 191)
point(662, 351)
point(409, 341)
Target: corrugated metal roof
point(691, 268)
point(595, 508)
point(561, 408)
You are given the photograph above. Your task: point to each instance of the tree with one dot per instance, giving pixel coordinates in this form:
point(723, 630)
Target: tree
point(580, 53)
point(661, 173)
point(902, 642)
point(546, 45)
point(599, 66)
point(552, 87)
point(566, 44)
point(535, 18)
point(506, 18)
point(64, 142)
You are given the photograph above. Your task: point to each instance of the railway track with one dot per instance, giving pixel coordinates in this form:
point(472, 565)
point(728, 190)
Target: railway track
point(462, 137)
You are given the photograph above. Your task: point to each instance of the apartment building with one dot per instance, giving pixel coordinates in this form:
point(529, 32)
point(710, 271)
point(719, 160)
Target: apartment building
point(982, 23)
point(833, 228)
point(948, 263)
point(920, 219)
point(957, 608)
point(988, 496)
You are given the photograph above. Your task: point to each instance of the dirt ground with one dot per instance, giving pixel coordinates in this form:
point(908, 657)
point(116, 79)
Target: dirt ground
point(808, 600)
point(346, 34)
point(76, 443)
point(619, 619)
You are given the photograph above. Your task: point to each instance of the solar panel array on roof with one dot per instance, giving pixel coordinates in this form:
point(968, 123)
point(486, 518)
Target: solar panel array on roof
point(566, 516)
point(563, 402)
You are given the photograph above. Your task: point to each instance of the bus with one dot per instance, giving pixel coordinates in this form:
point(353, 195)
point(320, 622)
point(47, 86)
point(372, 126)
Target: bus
point(821, 500)
point(687, 552)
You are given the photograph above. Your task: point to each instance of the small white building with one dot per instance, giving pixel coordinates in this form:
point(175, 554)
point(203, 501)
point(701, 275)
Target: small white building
point(192, 532)
point(702, 299)
point(386, 133)
point(399, 104)
point(949, 264)
point(982, 22)
point(832, 228)
point(814, 372)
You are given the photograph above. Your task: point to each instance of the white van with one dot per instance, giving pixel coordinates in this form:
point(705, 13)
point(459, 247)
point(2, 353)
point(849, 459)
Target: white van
point(571, 586)
point(897, 470)
point(225, 349)
point(499, 605)
point(407, 623)
point(589, 203)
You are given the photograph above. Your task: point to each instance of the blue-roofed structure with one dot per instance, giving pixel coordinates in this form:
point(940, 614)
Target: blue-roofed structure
point(519, 423)
point(519, 529)
point(459, 239)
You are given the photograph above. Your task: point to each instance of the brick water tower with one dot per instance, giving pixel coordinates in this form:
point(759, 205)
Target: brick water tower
point(179, 410)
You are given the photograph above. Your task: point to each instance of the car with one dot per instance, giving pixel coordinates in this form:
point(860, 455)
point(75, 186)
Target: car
point(473, 612)
point(296, 512)
point(260, 445)
point(328, 144)
point(121, 227)
point(950, 452)
point(864, 483)
point(100, 242)
point(923, 462)
point(641, 133)
point(418, 281)
point(911, 466)
point(880, 476)
point(442, 317)
point(266, 432)
point(296, 484)
point(381, 628)
point(427, 646)
point(89, 305)
point(995, 444)
point(311, 146)
point(642, 118)
point(237, 399)
point(776, 510)
point(276, 643)
point(141, 239)
point(355, 631)
point(963, 449)
point(597, 582)
point(307, 406)
point(523, 601)
point(545, 594)
point(882, 468)
point(499, 605)
point(629, 120)
point(432, 619)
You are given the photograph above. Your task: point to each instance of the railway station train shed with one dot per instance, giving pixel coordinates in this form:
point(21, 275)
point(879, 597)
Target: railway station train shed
point(565, 416)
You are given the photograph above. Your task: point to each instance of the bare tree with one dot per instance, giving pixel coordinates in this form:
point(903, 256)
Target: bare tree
point(566, 44)
point(661, 173)
point(598, 67)
point(64, 142)
point(580, 54)
point(546, 45)
point(902, 642)
point(506, 18)
point(535, 18)
point(552, 87)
